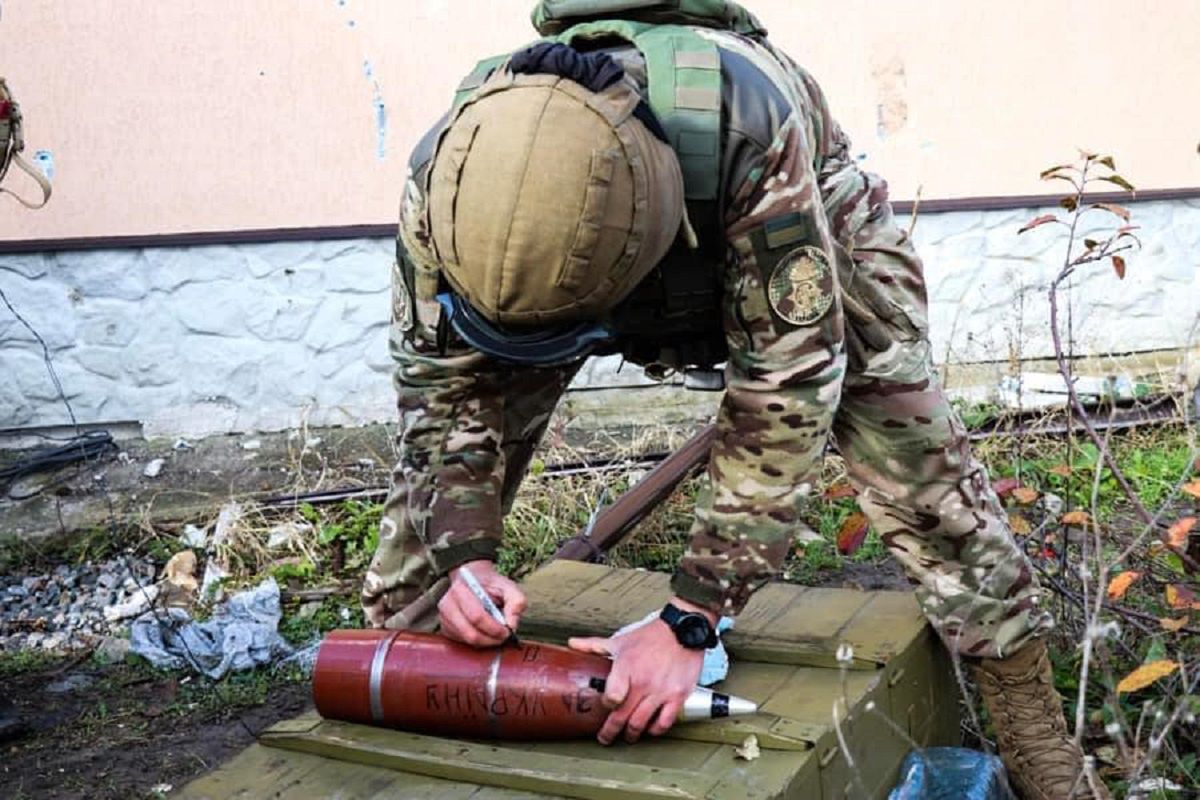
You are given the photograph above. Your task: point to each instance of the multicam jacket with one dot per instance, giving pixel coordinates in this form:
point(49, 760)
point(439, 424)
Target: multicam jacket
point(794, 206)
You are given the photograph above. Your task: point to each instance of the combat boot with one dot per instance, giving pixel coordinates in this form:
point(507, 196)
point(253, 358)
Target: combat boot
point(1041, 757)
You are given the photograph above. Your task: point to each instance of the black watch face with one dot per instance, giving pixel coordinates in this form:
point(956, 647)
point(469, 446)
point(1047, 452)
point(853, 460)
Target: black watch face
point(692, 631)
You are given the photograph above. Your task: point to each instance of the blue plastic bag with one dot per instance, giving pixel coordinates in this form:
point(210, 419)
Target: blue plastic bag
point(952, 773)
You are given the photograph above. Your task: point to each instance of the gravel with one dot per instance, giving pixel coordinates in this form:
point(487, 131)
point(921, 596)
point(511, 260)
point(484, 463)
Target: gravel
point(63, 610)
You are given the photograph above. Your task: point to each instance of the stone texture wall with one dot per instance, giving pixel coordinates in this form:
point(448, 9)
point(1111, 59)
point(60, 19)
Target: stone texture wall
point(211, 339)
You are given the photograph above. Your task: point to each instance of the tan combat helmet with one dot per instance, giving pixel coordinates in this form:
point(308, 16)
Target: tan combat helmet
point(550, 198)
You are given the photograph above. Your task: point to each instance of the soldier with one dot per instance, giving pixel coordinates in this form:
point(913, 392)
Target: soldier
point(667, 185)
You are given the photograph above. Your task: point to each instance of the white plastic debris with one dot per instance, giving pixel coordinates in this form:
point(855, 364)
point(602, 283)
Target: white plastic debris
point(252, 444)
point(210, 584)
point(138, 604)
point(242, 633)
point(194, 536)
point(287, 533)
point(1146, 788)
point(154, 468)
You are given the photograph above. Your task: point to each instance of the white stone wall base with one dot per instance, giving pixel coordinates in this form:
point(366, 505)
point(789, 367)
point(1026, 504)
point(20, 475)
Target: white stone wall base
point(217, 339)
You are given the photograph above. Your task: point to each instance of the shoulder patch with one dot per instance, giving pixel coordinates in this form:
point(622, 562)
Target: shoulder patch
point(801, 286)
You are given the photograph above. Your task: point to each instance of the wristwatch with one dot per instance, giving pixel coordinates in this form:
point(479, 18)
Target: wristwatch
point(693, 630)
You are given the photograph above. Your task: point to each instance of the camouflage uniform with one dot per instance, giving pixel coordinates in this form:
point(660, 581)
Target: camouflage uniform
point(825, 321)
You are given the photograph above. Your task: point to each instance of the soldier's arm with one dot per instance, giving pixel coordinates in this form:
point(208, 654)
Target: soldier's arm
point(446, 488)
point(784, 376)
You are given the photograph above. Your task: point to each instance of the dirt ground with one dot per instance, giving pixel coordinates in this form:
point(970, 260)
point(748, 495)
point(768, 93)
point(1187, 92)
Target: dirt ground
point(126, 732)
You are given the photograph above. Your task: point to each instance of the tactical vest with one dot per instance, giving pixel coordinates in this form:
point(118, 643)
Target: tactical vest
point(12, 142)
point(671, 321)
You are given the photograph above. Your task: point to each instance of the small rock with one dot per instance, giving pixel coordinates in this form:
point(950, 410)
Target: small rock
point(252, 444)
point(59, 620)
point(182, 444)
point(18, 591)
point(54, 641)
point(309, 609)
point(154, 468)
point(113, 648)
point(106, 580)
point(71, 683)
point(34, 639)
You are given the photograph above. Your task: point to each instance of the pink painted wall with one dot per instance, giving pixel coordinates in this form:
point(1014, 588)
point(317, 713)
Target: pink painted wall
point(178, 115)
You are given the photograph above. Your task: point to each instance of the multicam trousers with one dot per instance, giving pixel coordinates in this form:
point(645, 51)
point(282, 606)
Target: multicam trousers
point(904, 448)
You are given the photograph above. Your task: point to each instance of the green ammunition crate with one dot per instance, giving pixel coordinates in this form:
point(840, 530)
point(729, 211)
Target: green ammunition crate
point(896, 691)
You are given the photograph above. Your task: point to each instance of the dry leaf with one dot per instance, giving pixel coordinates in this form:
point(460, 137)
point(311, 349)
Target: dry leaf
point(1145, 675)
point(1173, 625)
point(1061, 470)
point(1193, 488)
point(1019, 525)
point(852, 533)
point(1037, 222)
point(839, 490)
point(1119, 266)
point(1025, 496)
point(1120, 584)
point(1046, 173)
point(1182, 598)
point(1113, 208)
point(1119, 181)
point(1075, 518)
point(749, 749)
point(1005, 486)
point(1177, 534)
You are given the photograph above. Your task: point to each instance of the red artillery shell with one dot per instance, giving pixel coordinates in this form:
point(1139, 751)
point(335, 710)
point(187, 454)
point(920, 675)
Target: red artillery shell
point(427, 684)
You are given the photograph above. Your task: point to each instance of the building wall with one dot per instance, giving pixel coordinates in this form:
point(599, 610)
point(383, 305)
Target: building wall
point(221, 115)
point(227, 338)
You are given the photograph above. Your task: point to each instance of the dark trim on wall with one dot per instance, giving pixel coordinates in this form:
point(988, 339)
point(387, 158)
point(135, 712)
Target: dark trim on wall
point(201, 238)
point(388, 231)
point(1007, 202)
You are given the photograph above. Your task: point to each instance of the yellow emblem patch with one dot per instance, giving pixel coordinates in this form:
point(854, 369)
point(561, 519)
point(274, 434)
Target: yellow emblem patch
point(801, 287)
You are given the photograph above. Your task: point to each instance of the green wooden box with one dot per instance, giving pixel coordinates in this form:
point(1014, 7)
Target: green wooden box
point(896, 691)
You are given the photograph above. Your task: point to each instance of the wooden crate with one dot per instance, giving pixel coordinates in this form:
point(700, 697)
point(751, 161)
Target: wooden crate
point(896, 690)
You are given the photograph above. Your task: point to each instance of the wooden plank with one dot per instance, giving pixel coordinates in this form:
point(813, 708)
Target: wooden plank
point(805, 633)
point(666, 752)
point(259, 772)
point(782, 624)
point(473, 762)
point(808, 694)
point(617, 598)
point(560, 582)
point(887, 624)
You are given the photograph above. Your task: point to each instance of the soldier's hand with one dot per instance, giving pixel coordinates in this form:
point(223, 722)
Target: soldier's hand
point(651, 677)
point(464, 618)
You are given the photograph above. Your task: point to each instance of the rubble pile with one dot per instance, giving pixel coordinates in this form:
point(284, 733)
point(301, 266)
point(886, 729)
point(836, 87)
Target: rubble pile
point(73, 607)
